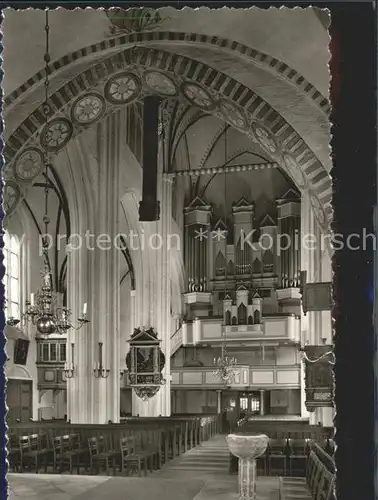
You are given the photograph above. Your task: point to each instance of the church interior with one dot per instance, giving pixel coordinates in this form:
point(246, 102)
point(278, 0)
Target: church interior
point(167, 258)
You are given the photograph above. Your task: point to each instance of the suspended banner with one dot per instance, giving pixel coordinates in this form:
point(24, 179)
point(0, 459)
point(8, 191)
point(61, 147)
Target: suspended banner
point(319, 382)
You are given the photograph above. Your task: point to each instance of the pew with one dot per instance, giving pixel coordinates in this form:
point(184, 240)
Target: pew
point(286, 429)
point(93, 446)
point(319, 480)
point(282, 456)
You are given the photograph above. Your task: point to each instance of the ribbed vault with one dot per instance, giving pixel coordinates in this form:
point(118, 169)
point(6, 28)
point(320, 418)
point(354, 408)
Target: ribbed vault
point(171, 75)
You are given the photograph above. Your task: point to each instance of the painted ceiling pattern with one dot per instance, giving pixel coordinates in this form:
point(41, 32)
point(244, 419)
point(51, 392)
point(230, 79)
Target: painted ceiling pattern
point(281, 69)
point(126, 77)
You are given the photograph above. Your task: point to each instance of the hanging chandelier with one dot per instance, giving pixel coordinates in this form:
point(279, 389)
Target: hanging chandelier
point(43, 310)
point(225, 365)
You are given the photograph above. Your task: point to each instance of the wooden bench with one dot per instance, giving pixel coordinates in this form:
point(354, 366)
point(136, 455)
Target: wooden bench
point(317, 485)
point(162, 438)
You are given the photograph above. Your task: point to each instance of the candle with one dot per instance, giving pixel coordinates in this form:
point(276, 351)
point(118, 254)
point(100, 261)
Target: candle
point(32, 299)
point(85, 309)
point(65, 366)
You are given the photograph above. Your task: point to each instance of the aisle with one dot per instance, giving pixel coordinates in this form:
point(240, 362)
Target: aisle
point(211, 457)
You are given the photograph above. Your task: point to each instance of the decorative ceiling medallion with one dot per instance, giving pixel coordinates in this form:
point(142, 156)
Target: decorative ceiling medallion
point(318, 210)
point(88, 109)
point(122, 88)
point(11, 196)
point(265, 138)
point(57, 134)
point(133, 20)
point(28, 165)
point(160, 82)
point(198, 96)
point(294, 170)
point(233, 114)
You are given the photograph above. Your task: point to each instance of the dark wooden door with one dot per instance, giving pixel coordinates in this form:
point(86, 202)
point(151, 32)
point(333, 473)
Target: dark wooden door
point(19, 400)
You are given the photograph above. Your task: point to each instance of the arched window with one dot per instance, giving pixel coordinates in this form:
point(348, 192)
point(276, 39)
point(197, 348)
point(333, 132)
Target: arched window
point(12, 275)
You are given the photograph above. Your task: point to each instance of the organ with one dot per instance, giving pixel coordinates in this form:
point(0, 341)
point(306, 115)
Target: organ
point(242, 267)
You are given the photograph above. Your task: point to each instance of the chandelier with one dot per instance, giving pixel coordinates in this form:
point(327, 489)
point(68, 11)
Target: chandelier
point(43, 310)
point(225, 365)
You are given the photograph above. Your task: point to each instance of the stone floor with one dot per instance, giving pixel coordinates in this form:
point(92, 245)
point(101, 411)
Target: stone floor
point(183, 487)
point(199, 474)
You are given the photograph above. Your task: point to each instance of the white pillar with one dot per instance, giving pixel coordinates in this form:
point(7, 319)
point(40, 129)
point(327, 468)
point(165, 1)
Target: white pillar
point(98, 400)
point(80, 387)
point(157, 256)
point(306, 265)
point(262, 401)
point(219, 401)
point(80, 274)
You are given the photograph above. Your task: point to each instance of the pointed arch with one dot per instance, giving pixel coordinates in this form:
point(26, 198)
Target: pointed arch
point(220, 264)
point(227, 317)
point(12, 276)
point(230, 268)
point(242, 314)
point(62, 102)
point(256, 317)
point(256, 266)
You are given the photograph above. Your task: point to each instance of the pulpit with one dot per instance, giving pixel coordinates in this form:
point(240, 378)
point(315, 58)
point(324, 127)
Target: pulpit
point(145, 362)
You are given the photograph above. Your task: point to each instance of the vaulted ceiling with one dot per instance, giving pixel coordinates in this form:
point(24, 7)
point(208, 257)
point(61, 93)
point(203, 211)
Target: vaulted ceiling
point(264, 72)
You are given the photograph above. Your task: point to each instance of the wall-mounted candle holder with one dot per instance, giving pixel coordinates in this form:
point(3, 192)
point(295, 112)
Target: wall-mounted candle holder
point(69, 368)
point(99, 371)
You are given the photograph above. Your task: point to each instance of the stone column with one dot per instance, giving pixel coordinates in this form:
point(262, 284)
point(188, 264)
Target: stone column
point(157, 256)
point(80, 289)
point(247, 449)
point(79, 388)
point(219, 401)
point(262, 401)
point(106, 307)
point(163, 317)
point(307, 264)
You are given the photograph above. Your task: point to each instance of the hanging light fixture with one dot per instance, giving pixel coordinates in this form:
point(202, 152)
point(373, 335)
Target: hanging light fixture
point(225, 365)
point(42, 310)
